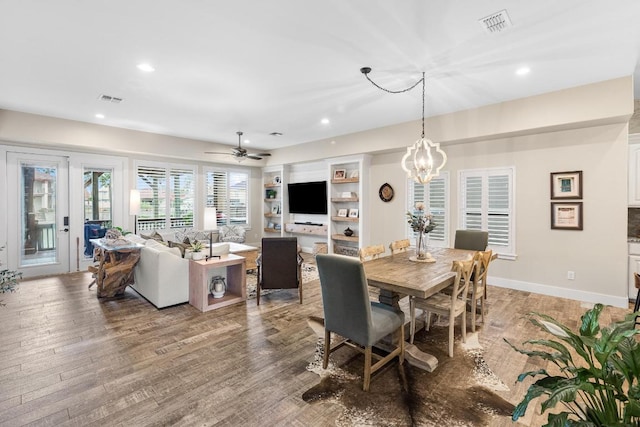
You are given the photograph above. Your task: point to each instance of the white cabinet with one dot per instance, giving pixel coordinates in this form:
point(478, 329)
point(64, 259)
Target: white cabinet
point(348, 191)
point(634, 267)
point(634, 170)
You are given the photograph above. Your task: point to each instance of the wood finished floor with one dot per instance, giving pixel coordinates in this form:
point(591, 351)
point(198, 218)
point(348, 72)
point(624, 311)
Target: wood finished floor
point(67, 358)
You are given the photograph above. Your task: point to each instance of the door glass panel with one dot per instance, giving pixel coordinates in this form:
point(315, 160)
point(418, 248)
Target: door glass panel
point(38, 214)
point(97, 206)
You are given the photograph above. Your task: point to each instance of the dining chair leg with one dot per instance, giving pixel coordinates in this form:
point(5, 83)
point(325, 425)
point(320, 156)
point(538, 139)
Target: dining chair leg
point(367, 368)
point(412, 313)
point(427, 320)
point(327, 348)
point(474, 305)
point(482, 311)
point(451, 326)
point(401, 343)
point(464, 324)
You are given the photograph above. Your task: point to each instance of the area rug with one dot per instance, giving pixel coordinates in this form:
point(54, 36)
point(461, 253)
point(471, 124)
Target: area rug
point(309, 273)
point(460, 392)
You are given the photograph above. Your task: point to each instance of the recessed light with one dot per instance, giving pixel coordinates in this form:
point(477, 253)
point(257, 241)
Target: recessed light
point(522, 71)
point(99, 116)
point(147, 68)
point(276, 134)
point(324, 121)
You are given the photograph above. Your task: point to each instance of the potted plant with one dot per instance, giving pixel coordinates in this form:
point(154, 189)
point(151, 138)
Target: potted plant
point(598, 371)
point(196, 248)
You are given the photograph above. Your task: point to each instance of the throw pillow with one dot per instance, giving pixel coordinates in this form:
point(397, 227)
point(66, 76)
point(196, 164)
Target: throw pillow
point(181, 246)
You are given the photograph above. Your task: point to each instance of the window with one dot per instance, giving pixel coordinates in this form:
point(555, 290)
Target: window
point(97, 195)
point(486, 203)
point(166, 196)
point(435, 195)
point(228, 192)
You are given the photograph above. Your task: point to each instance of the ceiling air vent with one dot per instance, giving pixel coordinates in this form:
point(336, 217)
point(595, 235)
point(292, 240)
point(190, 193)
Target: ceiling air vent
point(108, 98)
point(495, 22)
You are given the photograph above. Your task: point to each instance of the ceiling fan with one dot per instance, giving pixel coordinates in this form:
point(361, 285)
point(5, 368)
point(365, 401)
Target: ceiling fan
point(240, 153)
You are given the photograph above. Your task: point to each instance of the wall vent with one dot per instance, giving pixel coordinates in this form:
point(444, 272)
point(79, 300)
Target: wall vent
point(496, 22)
point(108, 98)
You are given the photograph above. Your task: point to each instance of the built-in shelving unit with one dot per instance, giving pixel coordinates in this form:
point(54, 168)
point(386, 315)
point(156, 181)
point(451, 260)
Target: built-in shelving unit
point(347, 189)
point(273, 194)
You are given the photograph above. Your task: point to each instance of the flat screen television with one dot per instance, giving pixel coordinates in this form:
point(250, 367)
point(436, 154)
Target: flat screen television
point(308, 197)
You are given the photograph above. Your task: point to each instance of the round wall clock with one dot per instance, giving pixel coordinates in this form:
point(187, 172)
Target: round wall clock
point(385, 192)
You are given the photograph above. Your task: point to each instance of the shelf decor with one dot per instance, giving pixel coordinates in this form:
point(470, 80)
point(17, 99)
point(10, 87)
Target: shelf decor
point(566, 215)
point(566, 185)
point(339, 174)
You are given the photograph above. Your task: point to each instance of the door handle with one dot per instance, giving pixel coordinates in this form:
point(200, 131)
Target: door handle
point(66, 229)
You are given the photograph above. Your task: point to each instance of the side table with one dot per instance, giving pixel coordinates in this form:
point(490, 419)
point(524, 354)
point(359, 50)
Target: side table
point(200, 273)
point(114, 270)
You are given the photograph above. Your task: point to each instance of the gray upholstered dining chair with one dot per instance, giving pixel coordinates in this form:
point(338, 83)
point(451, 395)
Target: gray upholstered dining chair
point(474, 240)
point(349, 313)
point(279, 265)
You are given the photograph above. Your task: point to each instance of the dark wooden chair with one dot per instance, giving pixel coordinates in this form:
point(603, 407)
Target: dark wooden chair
point(279, 265)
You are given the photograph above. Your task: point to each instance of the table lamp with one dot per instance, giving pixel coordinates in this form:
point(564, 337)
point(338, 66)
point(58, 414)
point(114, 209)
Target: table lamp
point(211, 224)
point(134, 208)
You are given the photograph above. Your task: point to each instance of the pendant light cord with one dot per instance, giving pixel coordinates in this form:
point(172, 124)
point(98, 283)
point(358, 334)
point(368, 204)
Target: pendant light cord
point(367, 70)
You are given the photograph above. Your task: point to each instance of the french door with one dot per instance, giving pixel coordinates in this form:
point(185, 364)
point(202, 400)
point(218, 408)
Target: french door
point(38, 213)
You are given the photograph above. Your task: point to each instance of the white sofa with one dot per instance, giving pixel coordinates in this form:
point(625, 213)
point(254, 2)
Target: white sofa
point(162, 275)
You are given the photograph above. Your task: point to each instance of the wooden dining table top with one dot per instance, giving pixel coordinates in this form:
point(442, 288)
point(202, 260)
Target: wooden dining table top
point(397, 273)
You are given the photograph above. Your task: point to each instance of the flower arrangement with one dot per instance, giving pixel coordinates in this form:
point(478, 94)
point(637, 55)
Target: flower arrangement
point(420, 222)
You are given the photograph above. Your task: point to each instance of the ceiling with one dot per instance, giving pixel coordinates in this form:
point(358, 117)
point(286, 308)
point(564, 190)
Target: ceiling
point(283, 65)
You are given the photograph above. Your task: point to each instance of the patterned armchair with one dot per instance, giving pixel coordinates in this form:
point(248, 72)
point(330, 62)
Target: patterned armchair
point(232, 233)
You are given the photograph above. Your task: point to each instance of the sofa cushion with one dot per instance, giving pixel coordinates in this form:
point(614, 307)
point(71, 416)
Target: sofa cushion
point(181, 246)
point(153, 236)
point(190, 233)
point(232, 233)
point(151, 243)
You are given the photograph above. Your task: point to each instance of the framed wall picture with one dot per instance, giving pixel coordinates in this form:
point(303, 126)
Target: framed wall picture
point(566, 215)
point(353, 213)
point(339, 174)
point(566, 185)
point(342, 212)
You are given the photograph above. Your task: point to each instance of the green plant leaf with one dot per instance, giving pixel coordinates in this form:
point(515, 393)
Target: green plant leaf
point(524, 375)
point(590, 326)
point(532, 392)
point(554, 345)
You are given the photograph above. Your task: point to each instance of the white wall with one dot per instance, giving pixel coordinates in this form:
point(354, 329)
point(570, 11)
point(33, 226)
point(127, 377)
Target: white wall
point(597, 255)
point(582, 128)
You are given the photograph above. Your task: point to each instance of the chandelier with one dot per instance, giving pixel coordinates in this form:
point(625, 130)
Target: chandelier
point(418, 162)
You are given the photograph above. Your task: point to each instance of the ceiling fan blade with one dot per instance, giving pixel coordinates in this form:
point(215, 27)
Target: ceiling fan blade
point(217, 152)
point(260, 154)
point(253, 157)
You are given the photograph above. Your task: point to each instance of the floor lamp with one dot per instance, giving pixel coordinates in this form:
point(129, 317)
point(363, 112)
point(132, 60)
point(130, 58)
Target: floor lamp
point(211, 224)
point(134, 208)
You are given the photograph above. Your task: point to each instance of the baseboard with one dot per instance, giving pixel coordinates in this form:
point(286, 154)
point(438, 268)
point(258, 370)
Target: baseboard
point(555, 291)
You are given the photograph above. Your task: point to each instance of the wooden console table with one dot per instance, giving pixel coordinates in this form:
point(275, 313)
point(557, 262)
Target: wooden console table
point(200, 272)
point(114, 270)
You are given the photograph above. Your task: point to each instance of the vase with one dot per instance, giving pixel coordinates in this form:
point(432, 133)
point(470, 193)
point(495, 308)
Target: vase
point(421, 246)
point(422, 255)
point(197, 256)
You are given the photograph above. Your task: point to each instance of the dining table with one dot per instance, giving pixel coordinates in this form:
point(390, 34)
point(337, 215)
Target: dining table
point(401, 275)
